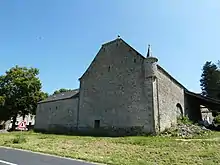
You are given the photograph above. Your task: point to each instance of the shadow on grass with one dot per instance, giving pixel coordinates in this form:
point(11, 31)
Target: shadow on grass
point(92, 133)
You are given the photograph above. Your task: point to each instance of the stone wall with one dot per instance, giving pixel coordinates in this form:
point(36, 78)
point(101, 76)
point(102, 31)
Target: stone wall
point(170, 95)
point(60, 115)
point(114, 91)
point(155, 105)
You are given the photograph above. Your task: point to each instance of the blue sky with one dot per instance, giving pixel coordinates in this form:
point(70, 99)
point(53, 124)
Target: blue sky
point(62, 37)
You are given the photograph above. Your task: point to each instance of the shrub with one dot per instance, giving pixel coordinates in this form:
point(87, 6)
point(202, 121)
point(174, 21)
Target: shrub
point(184, 120)
point(217, 119)
point(19, 139)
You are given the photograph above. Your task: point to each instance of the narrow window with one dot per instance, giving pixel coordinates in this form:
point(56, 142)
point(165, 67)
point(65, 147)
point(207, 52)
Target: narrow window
point(109, 68)
point(56, 107)
point(97, 124)
point(134, 60)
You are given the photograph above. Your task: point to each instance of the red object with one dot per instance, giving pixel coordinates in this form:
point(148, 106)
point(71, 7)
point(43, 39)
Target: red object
point(22, 124)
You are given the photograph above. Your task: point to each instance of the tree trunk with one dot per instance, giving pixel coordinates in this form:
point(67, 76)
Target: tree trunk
point(13, 122)
point(23, 117)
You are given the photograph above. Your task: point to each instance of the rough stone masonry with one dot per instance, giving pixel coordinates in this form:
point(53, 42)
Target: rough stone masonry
point(121, 92)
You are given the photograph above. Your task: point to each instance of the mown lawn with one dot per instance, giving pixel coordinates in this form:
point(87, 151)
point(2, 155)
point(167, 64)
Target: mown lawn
point(121, 151)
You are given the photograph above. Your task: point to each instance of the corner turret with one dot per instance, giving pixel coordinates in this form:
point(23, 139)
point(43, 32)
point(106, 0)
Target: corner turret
point(150, 64)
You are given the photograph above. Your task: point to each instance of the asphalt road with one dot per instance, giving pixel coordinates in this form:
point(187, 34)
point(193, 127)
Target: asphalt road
point(18, 157)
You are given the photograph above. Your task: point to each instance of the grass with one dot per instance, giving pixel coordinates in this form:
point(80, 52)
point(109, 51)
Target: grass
point(121, 151)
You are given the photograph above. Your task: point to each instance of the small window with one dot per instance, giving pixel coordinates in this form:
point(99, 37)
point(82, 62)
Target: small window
point(97, 124)
point(134, 60)
point(56, 107)
point(109, 68)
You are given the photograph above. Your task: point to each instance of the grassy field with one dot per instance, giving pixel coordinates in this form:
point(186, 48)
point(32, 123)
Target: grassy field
point(123, 150)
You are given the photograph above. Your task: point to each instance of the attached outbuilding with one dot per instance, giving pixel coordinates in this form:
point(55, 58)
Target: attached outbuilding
point(58, 113)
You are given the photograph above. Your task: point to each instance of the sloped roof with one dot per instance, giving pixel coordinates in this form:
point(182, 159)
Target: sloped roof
point(203, 98)
point(61, 96)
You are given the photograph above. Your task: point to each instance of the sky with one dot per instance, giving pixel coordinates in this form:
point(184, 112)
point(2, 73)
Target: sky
point(61, 38)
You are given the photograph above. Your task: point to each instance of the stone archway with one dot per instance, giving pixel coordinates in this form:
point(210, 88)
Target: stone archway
point(179, 110)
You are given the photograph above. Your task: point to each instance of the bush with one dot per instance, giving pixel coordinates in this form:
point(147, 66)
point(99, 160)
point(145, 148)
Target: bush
point(19, 139)
point(217, 119)
point(184, 120)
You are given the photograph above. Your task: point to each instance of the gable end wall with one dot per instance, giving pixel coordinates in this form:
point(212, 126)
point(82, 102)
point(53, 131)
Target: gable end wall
point(115, 92)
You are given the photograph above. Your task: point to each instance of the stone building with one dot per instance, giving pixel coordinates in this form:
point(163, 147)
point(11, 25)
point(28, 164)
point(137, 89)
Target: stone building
point(121, 92)
point(58, 112)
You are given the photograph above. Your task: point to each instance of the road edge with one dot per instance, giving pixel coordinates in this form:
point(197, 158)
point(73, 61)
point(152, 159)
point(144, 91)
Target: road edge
point(46, 154)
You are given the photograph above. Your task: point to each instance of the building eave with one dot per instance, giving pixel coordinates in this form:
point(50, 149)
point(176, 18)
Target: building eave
point(74, 95)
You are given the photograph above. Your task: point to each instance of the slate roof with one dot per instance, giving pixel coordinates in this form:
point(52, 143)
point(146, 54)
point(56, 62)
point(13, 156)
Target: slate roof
point(199, 96)
point(61, 96)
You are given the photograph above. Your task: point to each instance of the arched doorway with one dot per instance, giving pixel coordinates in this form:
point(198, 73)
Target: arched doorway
point(179, 110)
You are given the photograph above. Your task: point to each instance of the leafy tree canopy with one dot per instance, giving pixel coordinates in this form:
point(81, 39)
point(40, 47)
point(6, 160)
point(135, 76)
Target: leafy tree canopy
point(20, 90)
point(61, 91)
point(210, 80)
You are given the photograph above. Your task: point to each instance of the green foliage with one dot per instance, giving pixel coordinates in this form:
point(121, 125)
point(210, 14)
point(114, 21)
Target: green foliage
point(20, 90)
point(19, 139)
point(131, 150)
point(184, 120)
point(61, 91)
point(217, 119)
point(210, 80)
point(2, 100)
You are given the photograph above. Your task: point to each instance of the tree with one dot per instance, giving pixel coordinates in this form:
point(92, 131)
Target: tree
point(4, 114)
point(2, 100)
point(210, 80)
point(61, 91)
point(20, 90)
